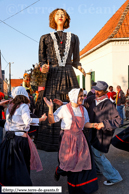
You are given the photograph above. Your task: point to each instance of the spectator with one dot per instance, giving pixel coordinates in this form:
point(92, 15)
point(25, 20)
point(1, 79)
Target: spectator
point(1, 95)
point(111, 95)
point(85, 94)
point(120, 101)
point(127, 105)
point(92, 92)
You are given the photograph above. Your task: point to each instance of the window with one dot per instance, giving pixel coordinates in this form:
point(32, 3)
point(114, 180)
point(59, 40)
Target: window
point(83, 81)
point(93, 76)
point(78, 79)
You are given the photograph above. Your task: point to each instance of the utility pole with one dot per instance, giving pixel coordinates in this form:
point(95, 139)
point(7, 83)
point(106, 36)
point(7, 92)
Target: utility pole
point(10, 77)
point(1, 79)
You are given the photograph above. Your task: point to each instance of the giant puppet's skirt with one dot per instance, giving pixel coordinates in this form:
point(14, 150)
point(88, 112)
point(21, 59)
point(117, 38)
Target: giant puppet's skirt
point(83, 182)
point(15, 161)
point(60, 81)
point(33, 128)
point(121, 140)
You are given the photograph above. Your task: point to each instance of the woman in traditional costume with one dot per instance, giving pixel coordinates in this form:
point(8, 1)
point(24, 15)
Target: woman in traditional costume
point(75, 156)
point(61, 50)
point(18, 154)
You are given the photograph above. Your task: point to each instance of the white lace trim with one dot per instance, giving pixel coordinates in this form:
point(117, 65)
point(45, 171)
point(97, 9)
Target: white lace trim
point(66, 51)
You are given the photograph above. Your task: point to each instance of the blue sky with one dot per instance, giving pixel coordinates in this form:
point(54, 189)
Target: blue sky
point(87, 18)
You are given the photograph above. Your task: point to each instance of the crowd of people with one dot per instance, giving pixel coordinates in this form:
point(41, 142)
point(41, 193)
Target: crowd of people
point(81, 156)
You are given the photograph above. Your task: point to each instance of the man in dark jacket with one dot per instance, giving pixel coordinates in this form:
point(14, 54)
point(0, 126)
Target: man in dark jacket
point(101, 110)
point(120, 101)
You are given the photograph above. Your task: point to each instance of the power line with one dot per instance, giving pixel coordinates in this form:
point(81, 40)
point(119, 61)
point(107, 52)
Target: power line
point(6, 66)
point(5, 61)
point(4, 58)
point(16, 29)
point(19, 31)
point(19, 11)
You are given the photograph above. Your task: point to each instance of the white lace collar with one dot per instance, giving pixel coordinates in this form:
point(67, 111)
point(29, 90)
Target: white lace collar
point(66, 51)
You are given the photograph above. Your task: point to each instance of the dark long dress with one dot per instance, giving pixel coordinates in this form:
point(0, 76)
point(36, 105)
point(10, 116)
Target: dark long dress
point(14, 161)
point(60, 80)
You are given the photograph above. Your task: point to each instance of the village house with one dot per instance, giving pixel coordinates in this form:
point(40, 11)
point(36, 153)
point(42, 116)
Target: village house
point(106, 56)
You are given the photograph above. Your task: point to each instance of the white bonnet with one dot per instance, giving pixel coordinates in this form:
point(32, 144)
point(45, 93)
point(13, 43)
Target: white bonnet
point(73, 95)
point(19, 91)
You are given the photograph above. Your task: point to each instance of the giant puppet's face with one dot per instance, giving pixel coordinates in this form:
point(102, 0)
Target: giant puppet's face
point(60, 17)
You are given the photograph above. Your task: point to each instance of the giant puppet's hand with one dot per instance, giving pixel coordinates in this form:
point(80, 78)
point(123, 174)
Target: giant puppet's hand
point(82, 70)
point(45, 68)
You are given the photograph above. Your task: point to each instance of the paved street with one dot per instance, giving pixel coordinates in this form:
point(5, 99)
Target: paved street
point(118, 158)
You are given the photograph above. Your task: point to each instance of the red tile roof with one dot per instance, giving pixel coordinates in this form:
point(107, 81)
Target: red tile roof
point(116, 27)
point(16, 82)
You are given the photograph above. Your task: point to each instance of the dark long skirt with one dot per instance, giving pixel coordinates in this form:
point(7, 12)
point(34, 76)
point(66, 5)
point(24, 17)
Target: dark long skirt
point(15, 161)
point(84, 182)
point(121, 140)
point(60, 81)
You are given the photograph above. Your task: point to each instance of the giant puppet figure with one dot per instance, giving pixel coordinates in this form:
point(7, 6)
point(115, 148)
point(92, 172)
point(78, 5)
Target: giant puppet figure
point(58, 54)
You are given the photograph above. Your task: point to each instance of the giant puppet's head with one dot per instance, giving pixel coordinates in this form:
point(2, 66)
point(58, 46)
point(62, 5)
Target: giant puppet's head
point(57, 17)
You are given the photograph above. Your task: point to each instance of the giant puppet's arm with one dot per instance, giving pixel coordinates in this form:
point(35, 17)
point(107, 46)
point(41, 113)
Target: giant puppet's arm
point(43, 56)
point(42, 51)
point(76, 56)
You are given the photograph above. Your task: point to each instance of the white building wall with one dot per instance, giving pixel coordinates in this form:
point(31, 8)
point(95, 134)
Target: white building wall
point(99, 61)
point(120, 64)
point(110, 63)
